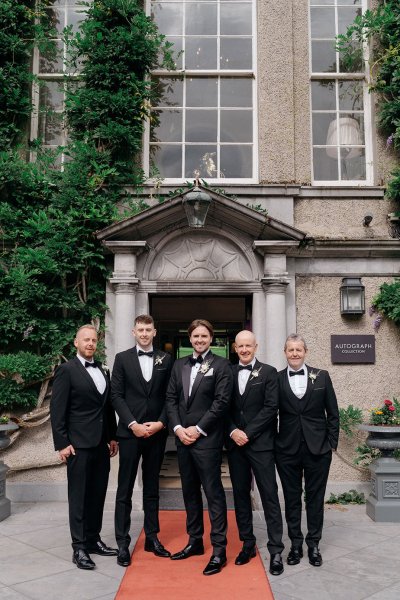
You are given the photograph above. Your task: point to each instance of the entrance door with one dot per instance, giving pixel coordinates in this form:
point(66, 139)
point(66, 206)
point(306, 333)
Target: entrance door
point(172, 315)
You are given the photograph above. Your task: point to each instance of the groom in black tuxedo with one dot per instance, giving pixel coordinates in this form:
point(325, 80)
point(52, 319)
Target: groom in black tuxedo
point(252, 422)
point(84, 428)
point(308, 432)
point(138, 386)
point(198, 398)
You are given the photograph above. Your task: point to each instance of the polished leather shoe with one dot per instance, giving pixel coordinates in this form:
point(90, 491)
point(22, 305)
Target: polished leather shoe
point(314, 556)
point(215, 565)
point(245, 555)
point(276, 564)
point(156, 547)
point(195, 549)
point(100, 548)
point(295, 555)
point(82, 560)
point(123, 557)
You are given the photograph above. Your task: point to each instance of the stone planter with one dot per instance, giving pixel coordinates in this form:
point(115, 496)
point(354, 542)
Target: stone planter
point(5, 505)
point(383, 503)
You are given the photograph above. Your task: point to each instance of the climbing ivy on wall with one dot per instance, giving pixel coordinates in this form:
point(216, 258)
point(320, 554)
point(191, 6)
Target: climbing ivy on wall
point(52, 269)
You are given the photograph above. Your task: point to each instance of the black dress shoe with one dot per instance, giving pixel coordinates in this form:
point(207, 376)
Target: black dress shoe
point(156, 547)
point(314, 556)
point(245, 555)
point(295, 555)
point(100, 548)
point(215, 565)
point(82, 560)
point(276, 564)
point(195, 549)
point(123, 557)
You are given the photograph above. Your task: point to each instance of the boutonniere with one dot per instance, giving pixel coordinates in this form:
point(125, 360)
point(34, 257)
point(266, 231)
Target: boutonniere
point(313, 376)
point(255, 373)
point(204, 367)
point(159, 359)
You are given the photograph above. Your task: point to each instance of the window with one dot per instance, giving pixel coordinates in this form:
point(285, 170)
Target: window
point(48, 94)
point(204, 125)
point(339, 99)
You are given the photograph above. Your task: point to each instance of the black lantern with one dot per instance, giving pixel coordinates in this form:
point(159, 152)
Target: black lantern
point(352, 296)
point(196, 204)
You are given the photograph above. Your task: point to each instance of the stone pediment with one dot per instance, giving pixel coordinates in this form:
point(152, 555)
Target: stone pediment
point(224, 213)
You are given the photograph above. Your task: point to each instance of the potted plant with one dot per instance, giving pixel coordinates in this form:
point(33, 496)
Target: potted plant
point(383, 503)
point(7, 426)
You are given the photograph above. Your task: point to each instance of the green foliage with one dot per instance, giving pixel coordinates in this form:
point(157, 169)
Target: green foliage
point(350, 497)
point(365, 455)
point(387, 301)
point(52, 268)
point(380, 27)
point(350, 417)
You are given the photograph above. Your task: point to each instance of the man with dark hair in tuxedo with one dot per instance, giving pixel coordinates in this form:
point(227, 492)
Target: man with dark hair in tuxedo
point(138, 386)
point(308, 432)
point(198, 398)
point(84, 428)
point(251, 428)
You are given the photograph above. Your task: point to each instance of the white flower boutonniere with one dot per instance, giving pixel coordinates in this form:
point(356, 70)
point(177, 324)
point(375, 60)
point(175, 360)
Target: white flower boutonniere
point(255, 373)
point(204, 367)
point(159, 359)
point(313, 376)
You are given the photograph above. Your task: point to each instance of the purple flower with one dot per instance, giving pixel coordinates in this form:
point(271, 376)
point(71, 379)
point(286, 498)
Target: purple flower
point(371, 310)
point(389, 141)
point(377, 322)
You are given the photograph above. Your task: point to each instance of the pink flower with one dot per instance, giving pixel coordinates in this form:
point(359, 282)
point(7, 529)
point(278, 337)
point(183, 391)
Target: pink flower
point(388, 402)
point(391, 408)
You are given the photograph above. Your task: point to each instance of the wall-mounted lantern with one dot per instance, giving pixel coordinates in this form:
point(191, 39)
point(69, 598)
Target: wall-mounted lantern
point(352, 296)
point(196, 204)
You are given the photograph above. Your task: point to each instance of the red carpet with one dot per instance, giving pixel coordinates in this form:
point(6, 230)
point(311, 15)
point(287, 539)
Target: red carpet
point(152, 578)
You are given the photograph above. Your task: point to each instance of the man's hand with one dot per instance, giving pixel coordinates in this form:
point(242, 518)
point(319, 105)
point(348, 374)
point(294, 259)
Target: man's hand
point(66, 452)
point(239, 437)
point(183, 435)
point(113, 445)
point(193, 432)
point(139, 430)
point(153, 427)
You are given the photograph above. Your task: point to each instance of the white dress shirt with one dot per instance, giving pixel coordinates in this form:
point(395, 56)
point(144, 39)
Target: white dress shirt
point(95, 374)
point(243, 376)
point(146, 363)
point(298, 383)
point(193, 374)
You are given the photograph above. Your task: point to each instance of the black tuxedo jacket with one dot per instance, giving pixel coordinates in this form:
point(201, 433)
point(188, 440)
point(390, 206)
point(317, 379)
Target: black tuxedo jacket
point(208, 403)
point(255, 412)
point(315, 417)
point(80, 415)
point(135, 399)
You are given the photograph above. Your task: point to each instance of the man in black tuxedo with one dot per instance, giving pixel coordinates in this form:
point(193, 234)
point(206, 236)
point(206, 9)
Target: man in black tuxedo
point(198, 398)
point(138, 386)
point(251, 430)
point(84, 427)
point(308, 432)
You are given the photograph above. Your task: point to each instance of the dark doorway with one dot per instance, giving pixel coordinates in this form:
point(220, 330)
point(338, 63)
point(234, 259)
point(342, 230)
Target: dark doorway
point(172, 315)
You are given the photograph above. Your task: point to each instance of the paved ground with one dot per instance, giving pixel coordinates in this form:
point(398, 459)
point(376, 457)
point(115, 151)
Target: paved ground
point(361, 559)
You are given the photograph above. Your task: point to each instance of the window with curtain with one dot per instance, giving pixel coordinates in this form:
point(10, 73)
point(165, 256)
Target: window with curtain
point(204, 123)
point(339, 98)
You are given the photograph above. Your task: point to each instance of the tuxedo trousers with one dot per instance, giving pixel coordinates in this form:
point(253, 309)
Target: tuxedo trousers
point(314, 468)
point(243, 461)
point(201, 467)
point(131, 450)
point(87, 473)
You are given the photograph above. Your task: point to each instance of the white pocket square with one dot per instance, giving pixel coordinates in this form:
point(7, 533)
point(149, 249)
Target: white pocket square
point(209, 372)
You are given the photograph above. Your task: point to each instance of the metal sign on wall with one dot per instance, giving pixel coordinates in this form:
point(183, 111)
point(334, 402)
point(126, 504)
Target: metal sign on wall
point(353, 348)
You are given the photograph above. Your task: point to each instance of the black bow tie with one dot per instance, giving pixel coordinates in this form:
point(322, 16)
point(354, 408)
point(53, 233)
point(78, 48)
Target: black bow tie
point(143, 353)
point(90, 364)
point(246, 367)
point(194, 360)
point(301, 372)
